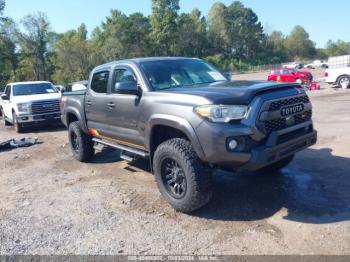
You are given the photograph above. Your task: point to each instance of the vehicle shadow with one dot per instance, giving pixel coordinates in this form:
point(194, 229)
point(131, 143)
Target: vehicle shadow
point(110, 155)
point(45, 128)
point(106, 155)
point(313, 189)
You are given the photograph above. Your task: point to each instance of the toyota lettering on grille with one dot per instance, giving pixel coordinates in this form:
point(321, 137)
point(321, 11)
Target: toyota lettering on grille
point(291, 110)
point(48, 106)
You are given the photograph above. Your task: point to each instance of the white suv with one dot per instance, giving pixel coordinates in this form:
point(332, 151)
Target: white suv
point(28, 103)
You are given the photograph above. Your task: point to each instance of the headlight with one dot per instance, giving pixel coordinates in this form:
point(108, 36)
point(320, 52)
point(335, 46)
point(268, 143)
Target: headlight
point(23, 108)
point(222, 113)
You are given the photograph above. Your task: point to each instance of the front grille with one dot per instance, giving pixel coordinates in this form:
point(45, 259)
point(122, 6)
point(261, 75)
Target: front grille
point(44, 107)
point(289, 101)
point(282, 123)
point(276, 124)
point(304, 117)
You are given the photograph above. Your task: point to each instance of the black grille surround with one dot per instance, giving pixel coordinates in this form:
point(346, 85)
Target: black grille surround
point(289, 101)
point(281, 123)
point(275, 121)
point(45, 107)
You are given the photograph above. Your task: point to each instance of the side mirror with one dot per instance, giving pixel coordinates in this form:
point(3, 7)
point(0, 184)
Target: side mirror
point(127, 87)
point(78, 87)
point(228, 75)
point(4, 97)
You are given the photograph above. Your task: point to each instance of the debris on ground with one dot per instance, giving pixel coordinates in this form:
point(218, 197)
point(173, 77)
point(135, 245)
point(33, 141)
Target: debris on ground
point(15, 143)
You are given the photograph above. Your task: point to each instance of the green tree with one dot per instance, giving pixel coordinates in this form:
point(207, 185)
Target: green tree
point(34, 47)
point(217, 36)
point(2, 7)
point(279, 50)
point(73, 56)
point(164, 28)
point(8, 54)
point(244, 30)
point(299, 44)
point(121, 36)
point(192, 37)
point(337, 48)
point(235, 30)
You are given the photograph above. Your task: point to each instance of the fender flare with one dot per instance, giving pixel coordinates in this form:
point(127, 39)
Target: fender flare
point(75, 111)
point(177, 123)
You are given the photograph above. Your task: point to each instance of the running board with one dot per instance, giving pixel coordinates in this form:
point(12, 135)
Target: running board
point(132, 150)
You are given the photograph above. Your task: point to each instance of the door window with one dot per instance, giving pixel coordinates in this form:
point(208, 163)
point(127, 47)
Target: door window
point(123, 75)
point(8, 91)
point(99, 82)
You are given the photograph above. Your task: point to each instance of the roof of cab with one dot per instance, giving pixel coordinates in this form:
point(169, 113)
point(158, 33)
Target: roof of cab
point(30, 82)
point(143, 59)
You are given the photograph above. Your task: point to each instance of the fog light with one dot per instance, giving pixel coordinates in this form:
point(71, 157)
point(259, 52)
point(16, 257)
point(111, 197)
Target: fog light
point(232, 144)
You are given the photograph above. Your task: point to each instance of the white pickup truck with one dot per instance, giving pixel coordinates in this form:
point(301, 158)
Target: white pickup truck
point(339, 77)
point(30, 103)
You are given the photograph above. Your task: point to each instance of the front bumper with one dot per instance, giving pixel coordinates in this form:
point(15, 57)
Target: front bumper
point(264, 155)
point(255, 154)
point(38, 118)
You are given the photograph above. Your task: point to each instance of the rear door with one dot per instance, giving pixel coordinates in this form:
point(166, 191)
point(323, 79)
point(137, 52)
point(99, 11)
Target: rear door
point(96, 101)
point(124, 109)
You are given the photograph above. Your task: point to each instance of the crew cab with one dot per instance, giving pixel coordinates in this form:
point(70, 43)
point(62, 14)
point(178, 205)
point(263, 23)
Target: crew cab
point(30, 103)
point(188, 119)
point(290, 75)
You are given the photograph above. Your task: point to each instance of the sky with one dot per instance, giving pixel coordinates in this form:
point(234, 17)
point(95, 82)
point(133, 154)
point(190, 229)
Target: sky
point(322, 19)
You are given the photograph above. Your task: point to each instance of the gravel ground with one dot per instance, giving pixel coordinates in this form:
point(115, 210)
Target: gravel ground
point(52, 204)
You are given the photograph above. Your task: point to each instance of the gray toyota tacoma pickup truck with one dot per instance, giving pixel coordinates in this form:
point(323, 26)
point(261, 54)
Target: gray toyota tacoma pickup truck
point(186, 118)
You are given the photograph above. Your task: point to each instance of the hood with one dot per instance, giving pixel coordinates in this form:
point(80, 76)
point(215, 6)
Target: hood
point(238, 92)
point(34, 98)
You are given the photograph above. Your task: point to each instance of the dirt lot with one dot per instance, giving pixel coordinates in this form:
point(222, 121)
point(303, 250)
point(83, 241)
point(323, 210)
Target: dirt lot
point(51, 204)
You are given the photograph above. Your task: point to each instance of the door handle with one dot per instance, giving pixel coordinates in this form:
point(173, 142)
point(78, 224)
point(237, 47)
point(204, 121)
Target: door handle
point(111, 105)
point(89, 103)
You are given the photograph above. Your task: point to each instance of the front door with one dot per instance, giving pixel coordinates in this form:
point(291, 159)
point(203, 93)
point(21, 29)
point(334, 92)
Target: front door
point(287, 76)
point(124, 108)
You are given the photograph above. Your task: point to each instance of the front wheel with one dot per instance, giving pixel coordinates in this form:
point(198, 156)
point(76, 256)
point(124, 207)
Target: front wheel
point(81, 144)
point(299, 81)
point(18, 127)
point(183, 180)
point(277, 166)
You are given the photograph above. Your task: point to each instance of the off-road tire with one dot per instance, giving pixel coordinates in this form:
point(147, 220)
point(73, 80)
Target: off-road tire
point(6, 123)
point(85, 150)
point(18, 127)
point(198, 176)
point(277, 166)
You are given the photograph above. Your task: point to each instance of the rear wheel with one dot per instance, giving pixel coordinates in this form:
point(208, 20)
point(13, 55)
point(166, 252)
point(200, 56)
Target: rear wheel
point(344, 82)
point(278, 165)
point(81, 144)
point(183, 180)
point(18, 127)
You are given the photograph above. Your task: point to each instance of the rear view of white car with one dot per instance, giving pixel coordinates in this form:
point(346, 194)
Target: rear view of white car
point(338, 77)
point(30, 103)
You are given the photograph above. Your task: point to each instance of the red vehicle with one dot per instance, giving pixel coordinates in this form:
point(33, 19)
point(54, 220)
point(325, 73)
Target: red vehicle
point(290, 75)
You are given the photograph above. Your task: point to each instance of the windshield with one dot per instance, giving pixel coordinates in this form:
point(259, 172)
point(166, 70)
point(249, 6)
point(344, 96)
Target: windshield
point(33, 89)
point(180, 73)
